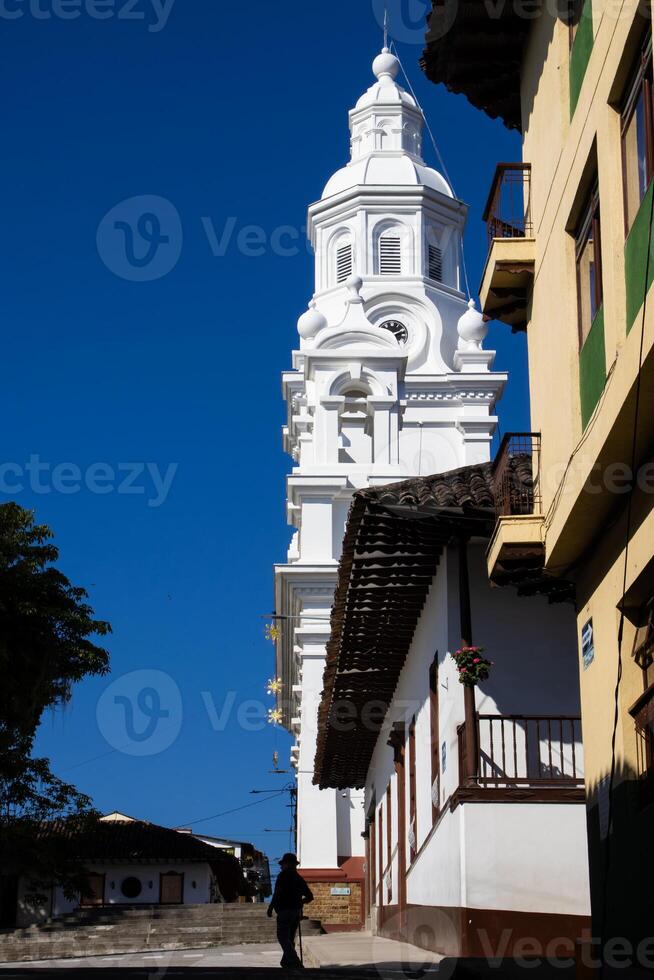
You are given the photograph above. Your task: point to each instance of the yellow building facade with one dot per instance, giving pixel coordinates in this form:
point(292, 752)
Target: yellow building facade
point(571, 261)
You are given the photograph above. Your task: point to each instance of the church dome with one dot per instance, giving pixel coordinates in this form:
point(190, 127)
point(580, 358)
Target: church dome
point(383, 169)
point(386, 146)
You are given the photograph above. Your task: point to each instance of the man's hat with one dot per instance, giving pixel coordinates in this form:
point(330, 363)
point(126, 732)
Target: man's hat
point(289, 859)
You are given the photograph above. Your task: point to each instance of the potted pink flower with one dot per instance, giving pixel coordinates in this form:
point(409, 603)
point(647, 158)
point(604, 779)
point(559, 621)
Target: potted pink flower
point(471, 665)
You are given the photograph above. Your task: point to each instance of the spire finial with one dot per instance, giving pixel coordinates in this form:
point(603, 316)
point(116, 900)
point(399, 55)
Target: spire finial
point(385, 27)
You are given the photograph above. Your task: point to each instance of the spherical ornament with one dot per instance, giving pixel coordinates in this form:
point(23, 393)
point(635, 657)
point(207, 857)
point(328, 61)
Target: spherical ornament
point(472, 327)
point(354, 283)
point(311, 322)
point(386, 64)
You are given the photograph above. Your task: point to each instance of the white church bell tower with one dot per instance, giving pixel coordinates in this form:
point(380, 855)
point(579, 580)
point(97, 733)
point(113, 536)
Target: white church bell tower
point(390, 381)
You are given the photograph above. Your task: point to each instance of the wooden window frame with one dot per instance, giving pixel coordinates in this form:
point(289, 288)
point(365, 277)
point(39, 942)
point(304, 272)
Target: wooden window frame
point(397, 741)
point(380, 883)
point(389, 844)
point(639, 82)
point(171, 874)
point(434, 724)
point(590, 220)
point(86, 903)
point(413, 808)
point(372, 861)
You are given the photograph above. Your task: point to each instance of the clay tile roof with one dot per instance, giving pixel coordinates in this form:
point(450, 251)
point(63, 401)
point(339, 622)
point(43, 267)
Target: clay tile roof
point(394, 538)
point(477, 49)
point(134, 840)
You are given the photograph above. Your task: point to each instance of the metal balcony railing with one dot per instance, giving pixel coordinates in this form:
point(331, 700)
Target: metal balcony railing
point(642, 711)
point(517, 476)
point(508, 209)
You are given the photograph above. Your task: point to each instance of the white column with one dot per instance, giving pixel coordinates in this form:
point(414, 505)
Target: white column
point(385, 441)
point(317, 817)
point(326, 428)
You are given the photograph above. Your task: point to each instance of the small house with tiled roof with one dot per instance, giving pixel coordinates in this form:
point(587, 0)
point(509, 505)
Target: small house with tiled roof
point(126, 861)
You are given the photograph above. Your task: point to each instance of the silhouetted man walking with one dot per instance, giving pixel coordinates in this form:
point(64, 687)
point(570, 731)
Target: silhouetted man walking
point(290, 895)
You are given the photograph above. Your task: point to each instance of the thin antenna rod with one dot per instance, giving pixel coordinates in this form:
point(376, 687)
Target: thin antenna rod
point(438, 154)
point(385, 25)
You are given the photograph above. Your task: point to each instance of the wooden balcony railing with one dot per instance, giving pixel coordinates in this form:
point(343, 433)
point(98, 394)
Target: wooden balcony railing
point(508, 209)
point(525, 751)
point(516, 474)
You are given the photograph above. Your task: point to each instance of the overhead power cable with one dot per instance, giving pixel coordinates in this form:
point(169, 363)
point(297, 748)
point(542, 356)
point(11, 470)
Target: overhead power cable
point(236, 809)
point(441, 162)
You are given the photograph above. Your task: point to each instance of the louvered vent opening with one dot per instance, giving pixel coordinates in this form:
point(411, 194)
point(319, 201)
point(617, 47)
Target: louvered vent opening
point(343, 263)
point(435, 263)
point(390, 256)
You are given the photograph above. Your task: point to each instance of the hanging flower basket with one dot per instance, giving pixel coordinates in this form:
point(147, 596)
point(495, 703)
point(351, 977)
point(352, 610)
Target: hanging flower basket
point(471, 665)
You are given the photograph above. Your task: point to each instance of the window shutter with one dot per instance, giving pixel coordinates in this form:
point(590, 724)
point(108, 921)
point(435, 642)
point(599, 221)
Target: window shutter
point(343, 262)
point(390, 255)
point(435, 263)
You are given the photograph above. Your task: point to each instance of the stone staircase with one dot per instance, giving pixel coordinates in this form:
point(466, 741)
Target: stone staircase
point(138, 929)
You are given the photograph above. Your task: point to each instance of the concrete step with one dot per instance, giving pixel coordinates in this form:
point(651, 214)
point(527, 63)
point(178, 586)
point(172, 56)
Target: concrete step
point(101, 932)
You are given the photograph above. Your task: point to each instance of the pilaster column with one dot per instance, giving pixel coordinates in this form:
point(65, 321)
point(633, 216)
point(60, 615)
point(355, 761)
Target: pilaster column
point(326, 430)
point(317, 824)
point(385, 428)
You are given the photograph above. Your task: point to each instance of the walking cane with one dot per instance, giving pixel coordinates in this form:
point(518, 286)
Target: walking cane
point(299, 932)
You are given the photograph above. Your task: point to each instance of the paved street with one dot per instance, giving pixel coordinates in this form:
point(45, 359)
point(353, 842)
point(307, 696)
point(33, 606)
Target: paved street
point(350, 954)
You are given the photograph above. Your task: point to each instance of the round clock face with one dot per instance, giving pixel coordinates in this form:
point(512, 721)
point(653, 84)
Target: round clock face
point(398, 330)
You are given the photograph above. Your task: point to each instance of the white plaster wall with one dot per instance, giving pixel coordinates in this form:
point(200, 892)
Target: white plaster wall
point(58, 904)
point(434, 446)
point(149, 877)
point(436, 876)
point(521, 857)
point(316, 543)
point(527, 856)
point(531, 642)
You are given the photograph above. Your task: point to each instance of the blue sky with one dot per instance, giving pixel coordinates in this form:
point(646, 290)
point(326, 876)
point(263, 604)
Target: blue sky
point(237, 115)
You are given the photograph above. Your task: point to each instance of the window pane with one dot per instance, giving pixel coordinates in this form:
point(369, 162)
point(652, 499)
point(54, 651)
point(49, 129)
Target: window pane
point(635, 155)
point(587, 285)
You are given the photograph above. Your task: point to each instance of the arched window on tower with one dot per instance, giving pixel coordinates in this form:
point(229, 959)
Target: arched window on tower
point(343, 258)
point(355, 429)
point(389, 252)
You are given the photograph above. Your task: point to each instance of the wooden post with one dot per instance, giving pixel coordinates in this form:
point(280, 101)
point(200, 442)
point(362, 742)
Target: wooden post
point(472, 735)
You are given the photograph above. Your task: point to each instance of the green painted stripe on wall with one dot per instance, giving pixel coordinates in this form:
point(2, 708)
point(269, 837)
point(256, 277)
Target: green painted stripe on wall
point(580, 53)
point(592, 368)
point(637, 278)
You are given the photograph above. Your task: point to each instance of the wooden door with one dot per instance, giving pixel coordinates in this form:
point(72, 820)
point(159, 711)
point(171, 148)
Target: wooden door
point(94, 891)
point(171, 888)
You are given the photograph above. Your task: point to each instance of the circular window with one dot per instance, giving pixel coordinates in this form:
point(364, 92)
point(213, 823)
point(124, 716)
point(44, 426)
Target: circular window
point(131, 887)
point(398, 330)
